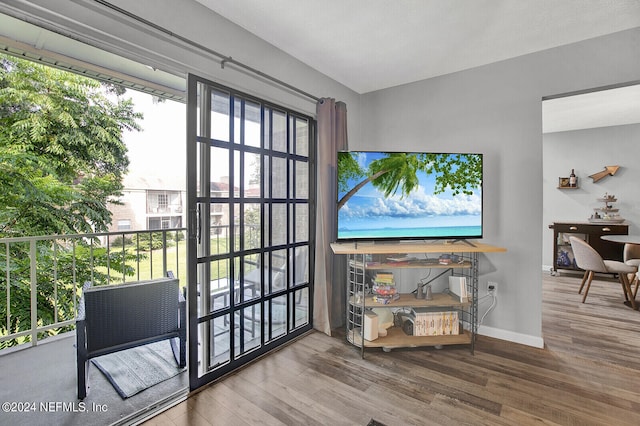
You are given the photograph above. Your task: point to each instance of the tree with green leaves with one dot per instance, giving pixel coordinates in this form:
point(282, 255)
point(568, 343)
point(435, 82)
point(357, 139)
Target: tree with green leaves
point(62, 161)
point(399, 171)
point(62, 157)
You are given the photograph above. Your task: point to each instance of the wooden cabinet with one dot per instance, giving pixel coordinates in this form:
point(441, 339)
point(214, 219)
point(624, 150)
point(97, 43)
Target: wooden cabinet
point(363, 260)
point(591, 233)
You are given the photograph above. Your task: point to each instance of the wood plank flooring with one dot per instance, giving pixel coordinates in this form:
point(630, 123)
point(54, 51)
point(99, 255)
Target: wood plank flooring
point(588, 374)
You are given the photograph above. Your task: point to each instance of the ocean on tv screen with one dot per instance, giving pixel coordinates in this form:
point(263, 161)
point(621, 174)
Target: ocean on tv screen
point(425, 232)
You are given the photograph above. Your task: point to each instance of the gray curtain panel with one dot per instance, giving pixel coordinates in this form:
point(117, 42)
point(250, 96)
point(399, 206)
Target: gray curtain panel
point(330, 270)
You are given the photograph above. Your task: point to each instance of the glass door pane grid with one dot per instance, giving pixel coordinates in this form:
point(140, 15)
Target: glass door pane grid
point(237, 198)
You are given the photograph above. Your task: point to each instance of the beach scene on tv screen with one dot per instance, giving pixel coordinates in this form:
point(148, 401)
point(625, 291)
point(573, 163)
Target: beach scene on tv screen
point(409, 195)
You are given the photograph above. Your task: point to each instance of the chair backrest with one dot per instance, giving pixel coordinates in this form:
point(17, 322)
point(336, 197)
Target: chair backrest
point(121, 314)
point(586, 257)
point(301, 260)
point(631, 251)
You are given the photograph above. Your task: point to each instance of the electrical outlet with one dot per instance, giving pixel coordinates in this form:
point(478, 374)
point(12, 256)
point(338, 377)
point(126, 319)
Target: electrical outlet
point(492, 286)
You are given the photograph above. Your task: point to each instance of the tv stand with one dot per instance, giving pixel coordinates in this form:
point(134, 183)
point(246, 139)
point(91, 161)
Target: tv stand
point(462, 240)
point(360, 299)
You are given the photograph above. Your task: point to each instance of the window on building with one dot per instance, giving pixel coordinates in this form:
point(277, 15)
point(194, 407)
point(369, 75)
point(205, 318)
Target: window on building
point(164, 222)
point(164, 202)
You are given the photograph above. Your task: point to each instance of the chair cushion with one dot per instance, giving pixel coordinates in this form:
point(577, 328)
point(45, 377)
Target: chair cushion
point(633, 262)
point(619, 267)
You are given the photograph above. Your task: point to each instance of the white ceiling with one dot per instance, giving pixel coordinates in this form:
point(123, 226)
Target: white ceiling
point(369, 45)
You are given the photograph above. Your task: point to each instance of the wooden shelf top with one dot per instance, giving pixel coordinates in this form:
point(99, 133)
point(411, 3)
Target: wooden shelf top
point(397, 339)
point(421, 264)
point(438, 246)
point(408, 300)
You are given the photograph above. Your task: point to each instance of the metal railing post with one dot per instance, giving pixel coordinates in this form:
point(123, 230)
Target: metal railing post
point(164, 253)
point(34, 291)
point(8, 273)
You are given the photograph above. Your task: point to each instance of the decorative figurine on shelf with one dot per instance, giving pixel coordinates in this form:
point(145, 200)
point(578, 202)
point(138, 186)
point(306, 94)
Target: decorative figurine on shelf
point(428, 295)
point(608, 213)
point(424, 291)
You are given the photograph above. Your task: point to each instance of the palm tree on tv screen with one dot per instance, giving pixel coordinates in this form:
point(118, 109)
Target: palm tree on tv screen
point(398, 172)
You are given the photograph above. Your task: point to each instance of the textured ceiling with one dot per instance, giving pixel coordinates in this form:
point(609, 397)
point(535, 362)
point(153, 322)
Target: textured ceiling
point(374, 44)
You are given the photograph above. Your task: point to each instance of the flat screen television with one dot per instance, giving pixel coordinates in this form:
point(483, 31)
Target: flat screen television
point(384, 196)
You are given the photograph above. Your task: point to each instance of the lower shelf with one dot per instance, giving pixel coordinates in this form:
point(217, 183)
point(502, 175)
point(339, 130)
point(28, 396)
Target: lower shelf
point(396, 338)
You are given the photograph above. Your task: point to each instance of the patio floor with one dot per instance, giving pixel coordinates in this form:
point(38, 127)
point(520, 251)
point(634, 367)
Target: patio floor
point(41, 382)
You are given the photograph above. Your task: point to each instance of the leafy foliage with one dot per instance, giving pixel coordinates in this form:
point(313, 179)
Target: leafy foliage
point(349, 169)
point(62, 157)
point(62, 160)
point(62, 267)
point(152, 240)
point(397, 172)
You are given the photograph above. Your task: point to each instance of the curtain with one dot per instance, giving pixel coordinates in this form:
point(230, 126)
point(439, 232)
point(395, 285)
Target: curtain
point(329, 296)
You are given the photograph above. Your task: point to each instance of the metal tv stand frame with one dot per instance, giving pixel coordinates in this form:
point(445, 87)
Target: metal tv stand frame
point(359, 261)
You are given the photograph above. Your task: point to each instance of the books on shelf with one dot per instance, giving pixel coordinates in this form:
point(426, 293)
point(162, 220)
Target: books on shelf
point(384, 288)
point(384, 278)
point(385, 299)
point(402, 259)
point(430, 323)
point(458, 288)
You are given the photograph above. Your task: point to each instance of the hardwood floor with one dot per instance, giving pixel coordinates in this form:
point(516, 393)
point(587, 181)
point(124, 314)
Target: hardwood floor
point(588, 374)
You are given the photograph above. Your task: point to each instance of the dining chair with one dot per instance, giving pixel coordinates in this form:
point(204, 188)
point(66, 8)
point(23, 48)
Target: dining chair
point(631, 256)
point(588, 259)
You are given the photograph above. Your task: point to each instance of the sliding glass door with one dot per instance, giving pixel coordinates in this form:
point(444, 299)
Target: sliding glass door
point(251, 189)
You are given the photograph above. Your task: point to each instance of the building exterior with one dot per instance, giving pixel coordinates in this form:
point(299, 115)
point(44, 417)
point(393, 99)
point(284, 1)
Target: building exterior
point(149, 203)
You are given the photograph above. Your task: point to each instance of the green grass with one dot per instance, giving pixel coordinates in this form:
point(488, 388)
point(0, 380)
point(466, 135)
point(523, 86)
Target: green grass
point(177, 264)
point(151, 267)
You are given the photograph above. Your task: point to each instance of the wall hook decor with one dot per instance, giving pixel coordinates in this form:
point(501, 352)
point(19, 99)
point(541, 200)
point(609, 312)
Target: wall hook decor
point(608, 171)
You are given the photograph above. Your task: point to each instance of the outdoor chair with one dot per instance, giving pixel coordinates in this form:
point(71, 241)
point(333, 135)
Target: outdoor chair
point(279, 272)
point(112, 318)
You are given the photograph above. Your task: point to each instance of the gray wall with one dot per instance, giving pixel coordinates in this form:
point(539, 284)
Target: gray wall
point(588, 151)
point(496, 110)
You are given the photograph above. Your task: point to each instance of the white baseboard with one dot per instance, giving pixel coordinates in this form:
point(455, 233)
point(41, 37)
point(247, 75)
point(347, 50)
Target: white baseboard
point(511, 336)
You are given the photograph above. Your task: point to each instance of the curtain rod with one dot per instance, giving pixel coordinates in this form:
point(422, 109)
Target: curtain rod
point(224, 58)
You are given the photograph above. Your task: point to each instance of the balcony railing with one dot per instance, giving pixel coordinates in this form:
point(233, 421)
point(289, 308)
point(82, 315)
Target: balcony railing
point(41, 277)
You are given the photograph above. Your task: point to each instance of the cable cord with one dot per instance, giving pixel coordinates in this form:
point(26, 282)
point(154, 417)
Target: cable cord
point(494, 302)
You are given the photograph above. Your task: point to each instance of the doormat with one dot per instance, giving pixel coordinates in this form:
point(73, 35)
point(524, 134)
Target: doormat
point(133, 370)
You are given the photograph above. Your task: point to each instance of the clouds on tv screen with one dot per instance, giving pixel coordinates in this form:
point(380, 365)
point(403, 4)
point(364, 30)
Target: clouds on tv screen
point(419, 204)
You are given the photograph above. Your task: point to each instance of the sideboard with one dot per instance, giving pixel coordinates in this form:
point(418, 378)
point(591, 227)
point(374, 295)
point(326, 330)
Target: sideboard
point(591, 233)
